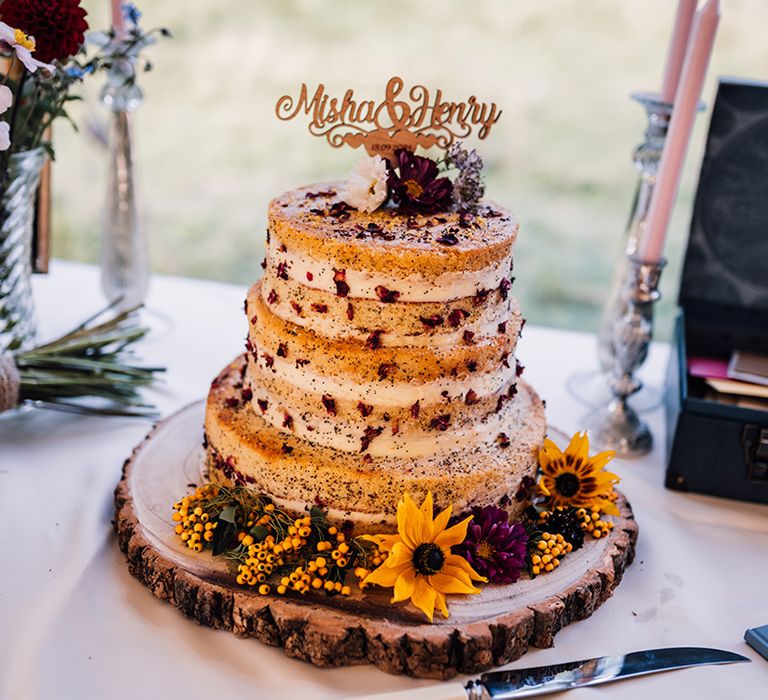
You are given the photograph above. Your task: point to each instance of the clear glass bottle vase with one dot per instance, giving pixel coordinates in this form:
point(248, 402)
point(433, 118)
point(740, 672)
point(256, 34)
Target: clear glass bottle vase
point(124, 257)
point(17, 217)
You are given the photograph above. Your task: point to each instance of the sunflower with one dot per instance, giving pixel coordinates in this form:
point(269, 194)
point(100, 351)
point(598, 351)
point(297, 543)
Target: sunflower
point(573, 478)
point(420, 565)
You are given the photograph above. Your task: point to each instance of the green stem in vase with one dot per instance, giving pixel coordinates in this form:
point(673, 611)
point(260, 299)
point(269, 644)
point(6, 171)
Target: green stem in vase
point(12, 125)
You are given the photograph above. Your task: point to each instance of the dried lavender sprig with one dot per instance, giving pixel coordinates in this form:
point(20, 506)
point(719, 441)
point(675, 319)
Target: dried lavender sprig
point(468, 187)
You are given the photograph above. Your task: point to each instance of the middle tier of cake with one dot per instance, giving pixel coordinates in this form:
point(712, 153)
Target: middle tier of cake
point(370, 397)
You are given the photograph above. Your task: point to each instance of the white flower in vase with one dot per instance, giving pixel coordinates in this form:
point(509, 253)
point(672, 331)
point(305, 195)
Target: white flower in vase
point(6, 100)
point(366, 189)
point(23, 45)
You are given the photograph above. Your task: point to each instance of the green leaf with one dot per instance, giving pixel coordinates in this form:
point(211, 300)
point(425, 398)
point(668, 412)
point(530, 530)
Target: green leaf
point(259, 533)
point(228, 514)
point(224, 534)
point(316, 513)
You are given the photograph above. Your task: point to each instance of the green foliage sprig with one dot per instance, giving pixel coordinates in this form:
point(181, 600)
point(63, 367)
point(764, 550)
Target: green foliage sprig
point(93, 361)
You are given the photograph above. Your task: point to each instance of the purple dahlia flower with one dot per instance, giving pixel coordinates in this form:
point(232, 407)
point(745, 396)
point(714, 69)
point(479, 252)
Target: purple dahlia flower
point(416, 186)
point(494, 547)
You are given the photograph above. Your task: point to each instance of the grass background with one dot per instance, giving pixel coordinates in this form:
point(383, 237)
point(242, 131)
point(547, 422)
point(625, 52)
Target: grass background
point(212, 153)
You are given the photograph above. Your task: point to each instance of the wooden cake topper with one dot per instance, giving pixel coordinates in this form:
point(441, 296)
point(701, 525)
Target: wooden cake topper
point(418, 117)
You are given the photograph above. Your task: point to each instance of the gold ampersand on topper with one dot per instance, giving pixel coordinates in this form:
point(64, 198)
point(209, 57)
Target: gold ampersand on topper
point(418, 118)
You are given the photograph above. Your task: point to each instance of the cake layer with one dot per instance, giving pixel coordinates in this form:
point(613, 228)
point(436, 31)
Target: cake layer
point(243, 448)
point(352, 425)
point(317, 240)
point(302, 357)
point(414, 323)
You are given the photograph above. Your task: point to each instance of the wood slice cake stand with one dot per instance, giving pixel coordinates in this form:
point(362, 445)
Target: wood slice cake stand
point(483, 631)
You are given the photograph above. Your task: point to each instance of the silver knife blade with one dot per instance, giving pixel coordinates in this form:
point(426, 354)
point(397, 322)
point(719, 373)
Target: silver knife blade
point(527, 682)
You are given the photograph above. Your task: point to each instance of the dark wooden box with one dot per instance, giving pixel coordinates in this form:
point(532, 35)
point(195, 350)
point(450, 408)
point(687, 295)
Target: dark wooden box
point(716, 448)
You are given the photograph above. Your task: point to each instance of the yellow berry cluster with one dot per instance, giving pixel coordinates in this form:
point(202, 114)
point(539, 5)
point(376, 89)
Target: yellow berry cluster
point(266, 556)
point(263, 558)
point(323, 572)
point(375, 559)
point(272, 550)
point(244, 537)
point(313, 576)
point(592, 523)
point(193, 523)
point(548, 551)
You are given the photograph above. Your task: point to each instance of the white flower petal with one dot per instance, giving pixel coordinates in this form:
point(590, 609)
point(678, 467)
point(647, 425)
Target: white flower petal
point(6, 98)
point(7, 34)
point(48, 68)
point(25, 56)
point(5, 136)
point(366, 188)
point(32, 64)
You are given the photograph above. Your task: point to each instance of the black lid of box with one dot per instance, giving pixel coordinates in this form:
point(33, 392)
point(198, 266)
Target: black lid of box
point(726, 262)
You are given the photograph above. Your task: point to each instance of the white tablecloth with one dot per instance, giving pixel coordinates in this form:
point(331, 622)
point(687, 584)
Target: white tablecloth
point(75, 624)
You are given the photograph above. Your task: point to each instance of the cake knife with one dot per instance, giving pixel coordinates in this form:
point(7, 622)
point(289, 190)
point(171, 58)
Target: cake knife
point(527, 682)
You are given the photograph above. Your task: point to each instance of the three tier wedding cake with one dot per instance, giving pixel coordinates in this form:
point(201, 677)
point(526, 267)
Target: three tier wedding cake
point(380, 361)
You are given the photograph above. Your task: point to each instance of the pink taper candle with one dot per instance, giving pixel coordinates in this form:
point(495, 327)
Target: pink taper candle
point(679, 133)
point(118, 21)
point(677, 46)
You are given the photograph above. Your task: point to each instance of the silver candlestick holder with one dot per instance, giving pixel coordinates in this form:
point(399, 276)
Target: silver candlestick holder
point(646, 159)
point(617, 426)
point(591, 386)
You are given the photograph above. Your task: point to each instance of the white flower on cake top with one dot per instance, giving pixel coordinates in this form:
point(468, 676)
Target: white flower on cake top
point(366, 188)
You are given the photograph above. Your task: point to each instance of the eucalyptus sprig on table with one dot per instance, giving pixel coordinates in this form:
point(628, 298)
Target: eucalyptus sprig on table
point(93, 361)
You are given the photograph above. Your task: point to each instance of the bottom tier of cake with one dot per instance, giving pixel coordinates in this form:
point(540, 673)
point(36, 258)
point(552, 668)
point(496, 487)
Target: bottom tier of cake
point(243, 449)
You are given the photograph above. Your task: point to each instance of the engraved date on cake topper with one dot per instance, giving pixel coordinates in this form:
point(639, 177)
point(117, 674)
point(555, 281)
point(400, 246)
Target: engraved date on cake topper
point(403, 119)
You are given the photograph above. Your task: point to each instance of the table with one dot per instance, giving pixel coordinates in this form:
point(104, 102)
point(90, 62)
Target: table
point(75, 624)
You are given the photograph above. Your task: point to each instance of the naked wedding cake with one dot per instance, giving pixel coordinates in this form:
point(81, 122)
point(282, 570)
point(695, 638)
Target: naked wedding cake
point(374, 462)
point(380, 360)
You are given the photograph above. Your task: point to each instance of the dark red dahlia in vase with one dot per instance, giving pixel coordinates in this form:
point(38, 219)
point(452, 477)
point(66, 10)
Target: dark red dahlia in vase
point(58, 26)
point(494, 547)
point(416, 187)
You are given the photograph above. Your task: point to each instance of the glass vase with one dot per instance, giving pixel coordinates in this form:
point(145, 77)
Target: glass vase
point(124, 258)
point(17, 217)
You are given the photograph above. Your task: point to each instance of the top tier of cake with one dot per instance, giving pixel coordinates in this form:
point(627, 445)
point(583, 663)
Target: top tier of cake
point(432, 258)
point(344, 273)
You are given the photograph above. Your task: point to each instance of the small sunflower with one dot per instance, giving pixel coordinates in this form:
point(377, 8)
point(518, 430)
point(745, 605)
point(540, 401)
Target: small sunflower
point(420, 566)
point(573, 478)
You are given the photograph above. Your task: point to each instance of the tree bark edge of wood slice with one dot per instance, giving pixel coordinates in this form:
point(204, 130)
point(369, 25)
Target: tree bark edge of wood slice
point(328, 637)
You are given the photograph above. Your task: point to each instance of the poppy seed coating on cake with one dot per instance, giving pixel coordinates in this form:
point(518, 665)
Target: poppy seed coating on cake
point(380, 360)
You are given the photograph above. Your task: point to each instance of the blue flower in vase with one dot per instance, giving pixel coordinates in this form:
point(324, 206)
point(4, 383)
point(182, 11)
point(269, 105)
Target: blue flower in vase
point(131, 13)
